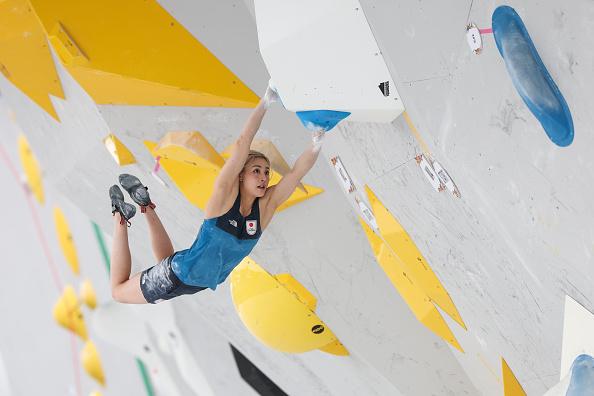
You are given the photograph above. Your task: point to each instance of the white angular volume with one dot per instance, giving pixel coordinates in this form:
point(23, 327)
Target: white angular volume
point(578, 334)
point(577, 369)
point(322, 55)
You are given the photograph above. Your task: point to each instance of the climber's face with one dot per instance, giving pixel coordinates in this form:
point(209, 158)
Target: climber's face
point(255, 176)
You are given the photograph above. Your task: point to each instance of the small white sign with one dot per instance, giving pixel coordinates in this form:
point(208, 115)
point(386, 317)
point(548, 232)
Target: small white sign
point(445, 179)
point(429, 172)
point(367, 213)
point(474, 39)
point(343, 175)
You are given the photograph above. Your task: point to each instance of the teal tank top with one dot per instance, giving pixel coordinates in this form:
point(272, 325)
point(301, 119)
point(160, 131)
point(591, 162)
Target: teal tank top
point(222, 243)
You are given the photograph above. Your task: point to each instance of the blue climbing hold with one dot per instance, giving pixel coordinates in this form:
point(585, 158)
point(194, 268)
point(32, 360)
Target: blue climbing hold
point(321, 119)
point(530, 76)
point(582, 376)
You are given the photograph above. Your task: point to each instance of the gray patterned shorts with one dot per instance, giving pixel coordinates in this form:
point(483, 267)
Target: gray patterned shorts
point(159, 283)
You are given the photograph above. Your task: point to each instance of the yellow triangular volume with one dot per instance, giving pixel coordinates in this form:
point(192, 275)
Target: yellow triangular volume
point(136, 53)
point(68, 314)
point(189, 147)
point(407, 252)
point(31, 168)
point(195, 175)
point(25, 58)
point(92, 362)
point(66, 240)
point(511, 386)
point(118, 150)
point(418, 302)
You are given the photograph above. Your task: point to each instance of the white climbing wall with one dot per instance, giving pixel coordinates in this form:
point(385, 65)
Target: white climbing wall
point(508, 251)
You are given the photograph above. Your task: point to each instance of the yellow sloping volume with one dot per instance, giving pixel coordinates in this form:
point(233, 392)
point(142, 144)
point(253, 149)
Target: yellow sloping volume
point(31, 168)
point(92, 362)
point(418, 302)
point(194, 176)
point(511, 386)
point(25, 58)
point(118, 150)
point(134, 52)
point(66, 240)
point(67, 313)
point(415, 264)
point(276, 315)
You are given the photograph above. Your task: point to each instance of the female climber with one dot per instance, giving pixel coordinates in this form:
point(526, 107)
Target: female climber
point(239, 209)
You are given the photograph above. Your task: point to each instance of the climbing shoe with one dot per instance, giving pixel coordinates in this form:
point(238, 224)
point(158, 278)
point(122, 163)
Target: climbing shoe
point(125, 210)
point(137, 191)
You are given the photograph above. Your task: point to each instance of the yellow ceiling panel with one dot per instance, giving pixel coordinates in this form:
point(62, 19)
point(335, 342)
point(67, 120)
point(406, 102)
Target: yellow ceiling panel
point(134, 52)
point(25, 58)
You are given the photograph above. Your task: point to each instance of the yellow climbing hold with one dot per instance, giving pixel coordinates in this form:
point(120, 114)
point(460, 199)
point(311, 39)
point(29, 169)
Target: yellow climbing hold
point(31, 168)
point(278, 316)
point(92, 362)
point(25, 59)
point(511, 385)
point(134, 52)
point(411, 259)
point(118, 151)
point(68, 314)
point(66, 240)
point(95, 393)
point(87, 294)
point(193, 165)
point(414, 296)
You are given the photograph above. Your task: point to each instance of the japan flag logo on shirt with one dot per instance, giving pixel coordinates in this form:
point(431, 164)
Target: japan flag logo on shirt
point(251, 226)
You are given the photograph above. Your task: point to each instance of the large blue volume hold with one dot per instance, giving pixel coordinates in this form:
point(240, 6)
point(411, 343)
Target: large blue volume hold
point(321, 119)
point(530, 76)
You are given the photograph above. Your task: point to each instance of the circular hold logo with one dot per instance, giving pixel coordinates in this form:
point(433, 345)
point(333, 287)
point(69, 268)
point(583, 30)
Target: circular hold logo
point(317, 329)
